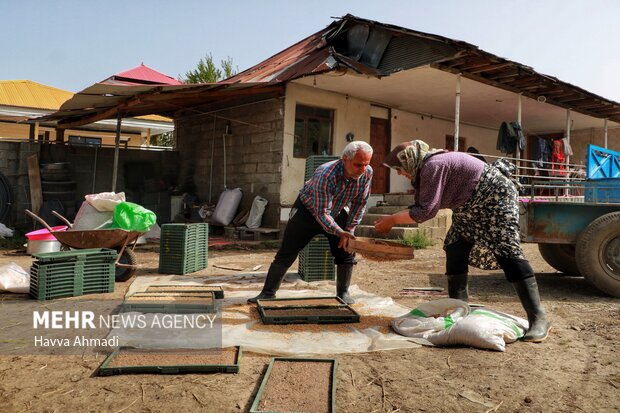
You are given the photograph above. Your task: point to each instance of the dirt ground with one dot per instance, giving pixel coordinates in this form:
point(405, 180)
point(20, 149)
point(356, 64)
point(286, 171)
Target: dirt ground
point(576, 370)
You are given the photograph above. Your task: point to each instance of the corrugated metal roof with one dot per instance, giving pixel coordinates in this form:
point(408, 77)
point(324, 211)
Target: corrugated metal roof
point(142, 75)
point(29, 94)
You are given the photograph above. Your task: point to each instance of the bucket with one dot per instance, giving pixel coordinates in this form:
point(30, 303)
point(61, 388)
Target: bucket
point(43, 241)
point(44, 234)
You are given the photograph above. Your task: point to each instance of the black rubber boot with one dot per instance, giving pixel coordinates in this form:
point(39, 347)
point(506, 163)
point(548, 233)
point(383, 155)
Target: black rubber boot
point(457, 287)
point(275, 275)
point(527, 290)
point(343, 280)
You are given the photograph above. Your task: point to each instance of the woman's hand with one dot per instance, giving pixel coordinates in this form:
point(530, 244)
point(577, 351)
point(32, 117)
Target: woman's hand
point(384, 225)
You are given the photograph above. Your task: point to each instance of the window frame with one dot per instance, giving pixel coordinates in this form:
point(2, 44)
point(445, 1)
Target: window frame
point(312, 113)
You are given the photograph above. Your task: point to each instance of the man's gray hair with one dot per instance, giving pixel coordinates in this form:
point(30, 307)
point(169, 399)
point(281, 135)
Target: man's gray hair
point(353, 147)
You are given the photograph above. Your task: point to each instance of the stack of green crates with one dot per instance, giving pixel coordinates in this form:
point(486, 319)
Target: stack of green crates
point(183, 248)
point(315, 260)
point(72, 273)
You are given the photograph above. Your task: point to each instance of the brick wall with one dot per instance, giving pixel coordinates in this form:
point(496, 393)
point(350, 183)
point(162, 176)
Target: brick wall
point(253, 153)
point(92, 171)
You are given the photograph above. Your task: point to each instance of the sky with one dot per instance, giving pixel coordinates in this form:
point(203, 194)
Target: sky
point(71, 44)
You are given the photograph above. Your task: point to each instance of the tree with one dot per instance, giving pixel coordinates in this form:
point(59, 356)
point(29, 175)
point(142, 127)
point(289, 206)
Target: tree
point(207, 72)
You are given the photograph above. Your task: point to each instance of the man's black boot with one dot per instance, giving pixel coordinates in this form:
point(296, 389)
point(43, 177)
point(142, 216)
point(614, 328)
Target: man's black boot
point(343, 280)
point(527, 290)
point(275, 275)
point(457, 287)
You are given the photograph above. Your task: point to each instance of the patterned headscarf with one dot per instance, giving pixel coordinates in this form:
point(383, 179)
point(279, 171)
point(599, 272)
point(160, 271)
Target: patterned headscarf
point(409, 157)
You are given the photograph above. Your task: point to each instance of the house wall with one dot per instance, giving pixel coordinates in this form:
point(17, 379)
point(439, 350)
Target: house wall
point(253, 153)
point(596, 136)
point(407, 126)
point(350, 115)
point(92, 172)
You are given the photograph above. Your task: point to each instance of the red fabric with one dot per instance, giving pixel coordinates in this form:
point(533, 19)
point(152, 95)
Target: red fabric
point(558, 159)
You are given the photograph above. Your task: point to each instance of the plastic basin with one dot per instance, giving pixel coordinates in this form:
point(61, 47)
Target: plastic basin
point(44, 234)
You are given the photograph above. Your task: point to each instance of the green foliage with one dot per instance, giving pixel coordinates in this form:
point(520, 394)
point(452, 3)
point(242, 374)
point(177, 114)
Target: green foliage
point(163, 139)
point(418, 241)
point(207, 72)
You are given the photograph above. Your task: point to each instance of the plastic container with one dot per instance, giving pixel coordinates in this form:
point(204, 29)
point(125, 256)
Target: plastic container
point(44, 234)
point(226, 207)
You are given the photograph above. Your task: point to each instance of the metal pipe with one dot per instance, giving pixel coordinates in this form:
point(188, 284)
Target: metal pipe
point(212, 150)
point(117, 143)
point(568, 122)
point(457, 112)
point(519, 111)
point(605, 133)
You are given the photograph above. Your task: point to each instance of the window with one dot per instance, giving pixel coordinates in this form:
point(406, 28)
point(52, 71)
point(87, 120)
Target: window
point(84, 141)
point(450, 143)
point(313, 131)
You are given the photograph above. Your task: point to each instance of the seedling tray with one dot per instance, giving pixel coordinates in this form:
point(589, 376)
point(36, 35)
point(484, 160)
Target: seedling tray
point(297, 385)
point(128, 360)
point(160, 303)
point(218, 291)
point(315, 310)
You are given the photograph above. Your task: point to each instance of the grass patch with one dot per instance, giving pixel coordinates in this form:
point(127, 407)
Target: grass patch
point(418, 241)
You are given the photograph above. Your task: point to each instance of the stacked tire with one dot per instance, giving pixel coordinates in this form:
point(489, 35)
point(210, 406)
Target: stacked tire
point(57, 185)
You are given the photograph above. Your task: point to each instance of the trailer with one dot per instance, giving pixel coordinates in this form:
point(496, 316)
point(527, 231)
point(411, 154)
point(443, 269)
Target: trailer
point(579, 235)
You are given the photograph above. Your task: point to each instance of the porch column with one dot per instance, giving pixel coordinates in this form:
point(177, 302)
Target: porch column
point(605, 127)
point(116, 150)
point(568, 134)
point(519, 110)
point(457, 112)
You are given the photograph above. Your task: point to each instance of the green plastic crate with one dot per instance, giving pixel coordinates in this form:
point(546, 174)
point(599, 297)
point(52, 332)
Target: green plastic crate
point(255, 408)
point(271, 313)
point(183, 248)
point(72, 273)
point(105, 370)
point(316, 262)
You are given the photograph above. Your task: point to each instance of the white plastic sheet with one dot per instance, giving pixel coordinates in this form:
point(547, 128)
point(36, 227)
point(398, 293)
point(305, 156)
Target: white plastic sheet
point(239, 287)
point(14, 278)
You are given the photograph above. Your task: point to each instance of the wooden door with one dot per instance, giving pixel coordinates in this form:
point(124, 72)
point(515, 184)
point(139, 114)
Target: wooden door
point(380, 142)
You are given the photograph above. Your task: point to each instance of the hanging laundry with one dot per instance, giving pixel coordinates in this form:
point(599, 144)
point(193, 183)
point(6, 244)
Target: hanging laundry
point(509, 136)
point(557, 158)
point(568, 150)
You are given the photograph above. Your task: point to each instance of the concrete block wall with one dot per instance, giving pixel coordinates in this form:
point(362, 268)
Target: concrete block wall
point(14, 165)
point(251, 154)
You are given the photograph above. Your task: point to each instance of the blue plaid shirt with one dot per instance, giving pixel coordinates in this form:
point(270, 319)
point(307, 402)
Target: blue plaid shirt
point(328, 191)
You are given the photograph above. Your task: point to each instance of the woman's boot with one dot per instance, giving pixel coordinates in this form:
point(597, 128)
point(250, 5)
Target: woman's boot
point(527, 290)
point(457, 287)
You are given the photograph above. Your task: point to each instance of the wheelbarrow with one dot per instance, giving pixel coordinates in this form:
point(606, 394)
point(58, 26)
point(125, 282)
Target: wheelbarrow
point(118, 239)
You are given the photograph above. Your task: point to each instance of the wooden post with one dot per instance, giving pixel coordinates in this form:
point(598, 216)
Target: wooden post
point(116, 150)
point(60, 135)
point(34, 180)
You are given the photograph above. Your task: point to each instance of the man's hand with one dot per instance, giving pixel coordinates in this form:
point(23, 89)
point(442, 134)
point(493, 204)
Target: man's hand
point(344, 240)
point(384, 225)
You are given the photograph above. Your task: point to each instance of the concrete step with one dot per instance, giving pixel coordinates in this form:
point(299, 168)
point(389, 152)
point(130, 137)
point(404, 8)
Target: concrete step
point(436, 234)
point(398, 199)
point(442, 219)
point(386, 210)
point(369, 219)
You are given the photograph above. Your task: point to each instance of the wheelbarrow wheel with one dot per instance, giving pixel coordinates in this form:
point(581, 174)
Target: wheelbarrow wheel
point(125, 273)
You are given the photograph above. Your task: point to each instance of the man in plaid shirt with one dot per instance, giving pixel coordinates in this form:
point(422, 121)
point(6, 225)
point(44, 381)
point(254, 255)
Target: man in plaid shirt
point(320, 209)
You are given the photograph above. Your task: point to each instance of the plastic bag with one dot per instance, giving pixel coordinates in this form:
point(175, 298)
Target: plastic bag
point(226, 207)
point(133, 217)
point(14, 278)
point(450, 322)
point(430, 318)
point(105, 201)
point(256, 212)
point(5, 232)
point(88, 217)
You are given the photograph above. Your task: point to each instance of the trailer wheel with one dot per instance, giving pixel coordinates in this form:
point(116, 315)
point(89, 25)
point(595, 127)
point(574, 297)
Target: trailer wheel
point(598, 253)
point(125, 273)
point(561, 257)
